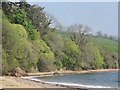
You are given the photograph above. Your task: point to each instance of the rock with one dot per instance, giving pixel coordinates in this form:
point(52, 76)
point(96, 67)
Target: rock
point(56, 73)
point(11, 73)
point(18, 75)
point(19, 72)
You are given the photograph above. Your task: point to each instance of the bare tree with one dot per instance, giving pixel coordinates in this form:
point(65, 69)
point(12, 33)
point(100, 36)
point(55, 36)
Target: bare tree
point(80, 33)
point(54, 22)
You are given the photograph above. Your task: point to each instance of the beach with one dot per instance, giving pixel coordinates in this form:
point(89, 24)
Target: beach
point(18, 82)
point(71, 72)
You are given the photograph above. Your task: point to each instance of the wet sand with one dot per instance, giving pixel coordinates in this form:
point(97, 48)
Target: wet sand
point(17, 82)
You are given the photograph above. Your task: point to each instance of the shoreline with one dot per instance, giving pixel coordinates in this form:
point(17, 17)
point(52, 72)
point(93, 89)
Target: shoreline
point(17, 82)
point(25, 82)
point(70, 72)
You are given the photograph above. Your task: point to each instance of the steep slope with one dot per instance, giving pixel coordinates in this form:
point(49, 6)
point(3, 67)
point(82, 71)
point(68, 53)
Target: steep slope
point(18, 51)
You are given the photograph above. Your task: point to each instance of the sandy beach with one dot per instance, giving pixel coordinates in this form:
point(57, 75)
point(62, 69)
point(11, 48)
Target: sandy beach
point(18, 82)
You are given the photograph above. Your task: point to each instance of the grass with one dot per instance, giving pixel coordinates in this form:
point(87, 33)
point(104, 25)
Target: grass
point(65, 35)
point(106, 44)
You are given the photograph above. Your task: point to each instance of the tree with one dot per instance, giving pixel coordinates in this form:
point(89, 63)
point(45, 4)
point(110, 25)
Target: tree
point(98, 59)
point(35, 14)
point(112, 37)
point(80, 34)
point(17, 15)
point(105, 36)
point(72, 51)
point(31, 43)
point(54, 22)
point(38, 18)
point(99, 34)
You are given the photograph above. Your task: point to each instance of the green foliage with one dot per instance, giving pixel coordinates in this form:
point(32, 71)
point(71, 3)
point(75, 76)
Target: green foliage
point(14, 40)
point(106, 44)
point(23, 53)
point(46, 62)
point(55, 43)
point(71, 48)
point(72, 51)
point(29, 43)
point(58, 64)
point(98, 59)
point(65, 35)
point(20, 17)
point(4, 63)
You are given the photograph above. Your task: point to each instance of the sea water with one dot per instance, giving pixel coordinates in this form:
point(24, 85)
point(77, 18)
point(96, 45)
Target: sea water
point(89, 80)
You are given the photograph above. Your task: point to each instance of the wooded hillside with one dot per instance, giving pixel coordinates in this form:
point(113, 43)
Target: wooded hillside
point(28, 42)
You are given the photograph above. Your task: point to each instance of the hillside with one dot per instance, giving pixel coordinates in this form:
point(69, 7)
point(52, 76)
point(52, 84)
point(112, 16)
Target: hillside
point(29, 43)
point(107, 44)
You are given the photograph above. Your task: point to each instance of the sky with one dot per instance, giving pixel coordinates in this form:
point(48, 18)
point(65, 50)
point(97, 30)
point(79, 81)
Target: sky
point(100, 16)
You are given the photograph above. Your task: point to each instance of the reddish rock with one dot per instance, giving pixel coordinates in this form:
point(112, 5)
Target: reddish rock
point(19, 72)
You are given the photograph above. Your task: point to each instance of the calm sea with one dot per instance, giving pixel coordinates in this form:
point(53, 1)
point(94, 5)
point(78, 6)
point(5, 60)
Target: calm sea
point(89, 80)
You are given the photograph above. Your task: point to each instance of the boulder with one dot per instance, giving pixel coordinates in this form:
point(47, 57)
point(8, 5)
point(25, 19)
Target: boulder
point(19, 72)
point(56, 73)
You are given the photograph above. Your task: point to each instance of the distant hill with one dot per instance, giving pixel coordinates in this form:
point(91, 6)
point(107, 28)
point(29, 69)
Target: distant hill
point(107, 44)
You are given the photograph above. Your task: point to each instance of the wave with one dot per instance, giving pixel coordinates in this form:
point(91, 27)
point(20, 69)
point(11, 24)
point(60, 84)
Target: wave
point(72, 85)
